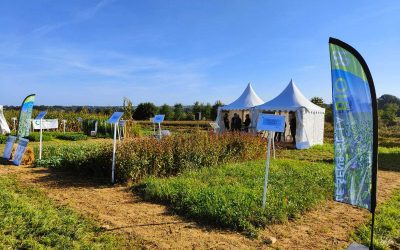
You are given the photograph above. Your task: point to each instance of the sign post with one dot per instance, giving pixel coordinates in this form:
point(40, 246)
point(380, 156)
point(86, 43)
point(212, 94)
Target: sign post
point(158, 119)
point(270, 123)
point(114, 119)
point(215, 126)
point(40, 117)
point(64, 121)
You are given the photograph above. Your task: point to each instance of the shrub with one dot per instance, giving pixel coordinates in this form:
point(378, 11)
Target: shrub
point(230, 196)
point(71, 136)
point(141, 157)
point(3, 139)
point(35, 136)
point(93, 159)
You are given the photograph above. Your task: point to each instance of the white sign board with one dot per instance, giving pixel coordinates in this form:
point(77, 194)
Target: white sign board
point(9, 147)
point(268, 122)
point(158, 118)
point(46, 124)
point(214, 125)
point(20, 151)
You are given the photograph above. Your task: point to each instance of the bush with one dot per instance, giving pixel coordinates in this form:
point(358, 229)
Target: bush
point(230, 196)
point(35, 136)
point(172, 155)
point(71, 136)
point(93, 159)
point(141, 157)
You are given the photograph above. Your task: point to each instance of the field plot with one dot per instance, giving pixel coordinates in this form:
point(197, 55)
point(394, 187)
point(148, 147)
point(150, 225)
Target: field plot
point(30, 220)
point(230, 196)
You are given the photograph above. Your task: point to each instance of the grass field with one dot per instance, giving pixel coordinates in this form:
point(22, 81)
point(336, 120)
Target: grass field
point(30, 220)
point(387, 226)
point(231, 195)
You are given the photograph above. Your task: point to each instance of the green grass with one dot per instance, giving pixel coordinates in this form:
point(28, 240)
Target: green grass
point(230, 196)
point(387, 226)
point(30, 220)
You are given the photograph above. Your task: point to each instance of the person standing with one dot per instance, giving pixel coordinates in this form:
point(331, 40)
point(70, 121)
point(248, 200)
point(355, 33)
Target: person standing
point(233, 122)
point(292, 124)
point(247, 123)
point(226, 121)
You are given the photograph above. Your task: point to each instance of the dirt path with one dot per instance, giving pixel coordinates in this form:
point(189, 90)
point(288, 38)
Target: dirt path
point(153, 226)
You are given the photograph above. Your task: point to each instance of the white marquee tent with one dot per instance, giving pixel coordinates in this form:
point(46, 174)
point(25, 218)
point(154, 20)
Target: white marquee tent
point(242, 106)
point(309, 117)
point(4, 129)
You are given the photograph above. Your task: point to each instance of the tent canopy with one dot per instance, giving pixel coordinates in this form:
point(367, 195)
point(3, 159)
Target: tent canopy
point(247, 100)
point(291, 99)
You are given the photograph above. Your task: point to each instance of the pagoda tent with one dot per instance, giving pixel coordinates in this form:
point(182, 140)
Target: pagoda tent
point(241, 106)
point(310, 118)
point(4, 129)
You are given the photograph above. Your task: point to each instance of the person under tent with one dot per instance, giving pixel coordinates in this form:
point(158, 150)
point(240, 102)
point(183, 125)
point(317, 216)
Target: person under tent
point(247, 123)
point(226, 121)
point(292, 124)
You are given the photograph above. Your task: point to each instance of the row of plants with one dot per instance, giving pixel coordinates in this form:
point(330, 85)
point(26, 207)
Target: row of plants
point(141, 157)
point(230, 196)
point(30, 220)
point(49, 136)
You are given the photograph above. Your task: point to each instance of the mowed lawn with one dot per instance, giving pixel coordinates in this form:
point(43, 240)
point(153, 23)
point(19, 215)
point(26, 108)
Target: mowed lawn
point(230, 196)
point(30, 220)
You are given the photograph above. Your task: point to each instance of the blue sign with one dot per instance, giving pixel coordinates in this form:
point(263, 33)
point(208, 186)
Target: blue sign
point(115, 117)
point(9, 147)
point(41, 115)
point(20, 151)
point(268, 122)
point(158, 118)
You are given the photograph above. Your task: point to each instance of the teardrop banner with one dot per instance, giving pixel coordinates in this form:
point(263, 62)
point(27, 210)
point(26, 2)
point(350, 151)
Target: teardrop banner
point(355, 128)
point(25, 114)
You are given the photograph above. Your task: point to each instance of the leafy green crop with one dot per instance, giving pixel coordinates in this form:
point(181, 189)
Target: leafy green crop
point(231, 195)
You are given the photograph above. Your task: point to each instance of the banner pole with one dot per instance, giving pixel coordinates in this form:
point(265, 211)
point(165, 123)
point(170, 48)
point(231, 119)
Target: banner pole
point(273, 143)
point(40, 144)
point(266, 170)
point(114, 149)
point(371, 244)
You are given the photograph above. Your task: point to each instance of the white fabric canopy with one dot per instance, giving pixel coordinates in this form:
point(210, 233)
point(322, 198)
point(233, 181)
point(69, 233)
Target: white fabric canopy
point(310, 118)
point(4, 129)
point(247, 100)
point(291, 99)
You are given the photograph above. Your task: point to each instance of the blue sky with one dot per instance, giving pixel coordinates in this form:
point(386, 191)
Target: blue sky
point(94, 52)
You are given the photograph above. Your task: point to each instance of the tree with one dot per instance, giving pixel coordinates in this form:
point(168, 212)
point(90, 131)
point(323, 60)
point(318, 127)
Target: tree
point(167, 111)
point(179, 113)
point(214, 109)
point(206, 111)
point(389, 114)
point(128, 108)
point(318, 101)
point(144, 111)
point(386, 99)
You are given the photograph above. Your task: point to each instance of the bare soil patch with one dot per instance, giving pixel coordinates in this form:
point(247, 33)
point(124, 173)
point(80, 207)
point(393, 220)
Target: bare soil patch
point(154, 226)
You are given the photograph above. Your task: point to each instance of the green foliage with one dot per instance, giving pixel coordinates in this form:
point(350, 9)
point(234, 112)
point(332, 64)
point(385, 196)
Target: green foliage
point(3, 139)
point(172, 155)
point(35, 136)
point(387, 99)
point(179, 113)
point(71, 136)
point(389, 114)
point(167, 111)
point(128, 109)
point(145, 111)
point(92, 159)
point(214, 110)
point(231, 195)
point(387, 226)
point(30, 220)
point(318, 101)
